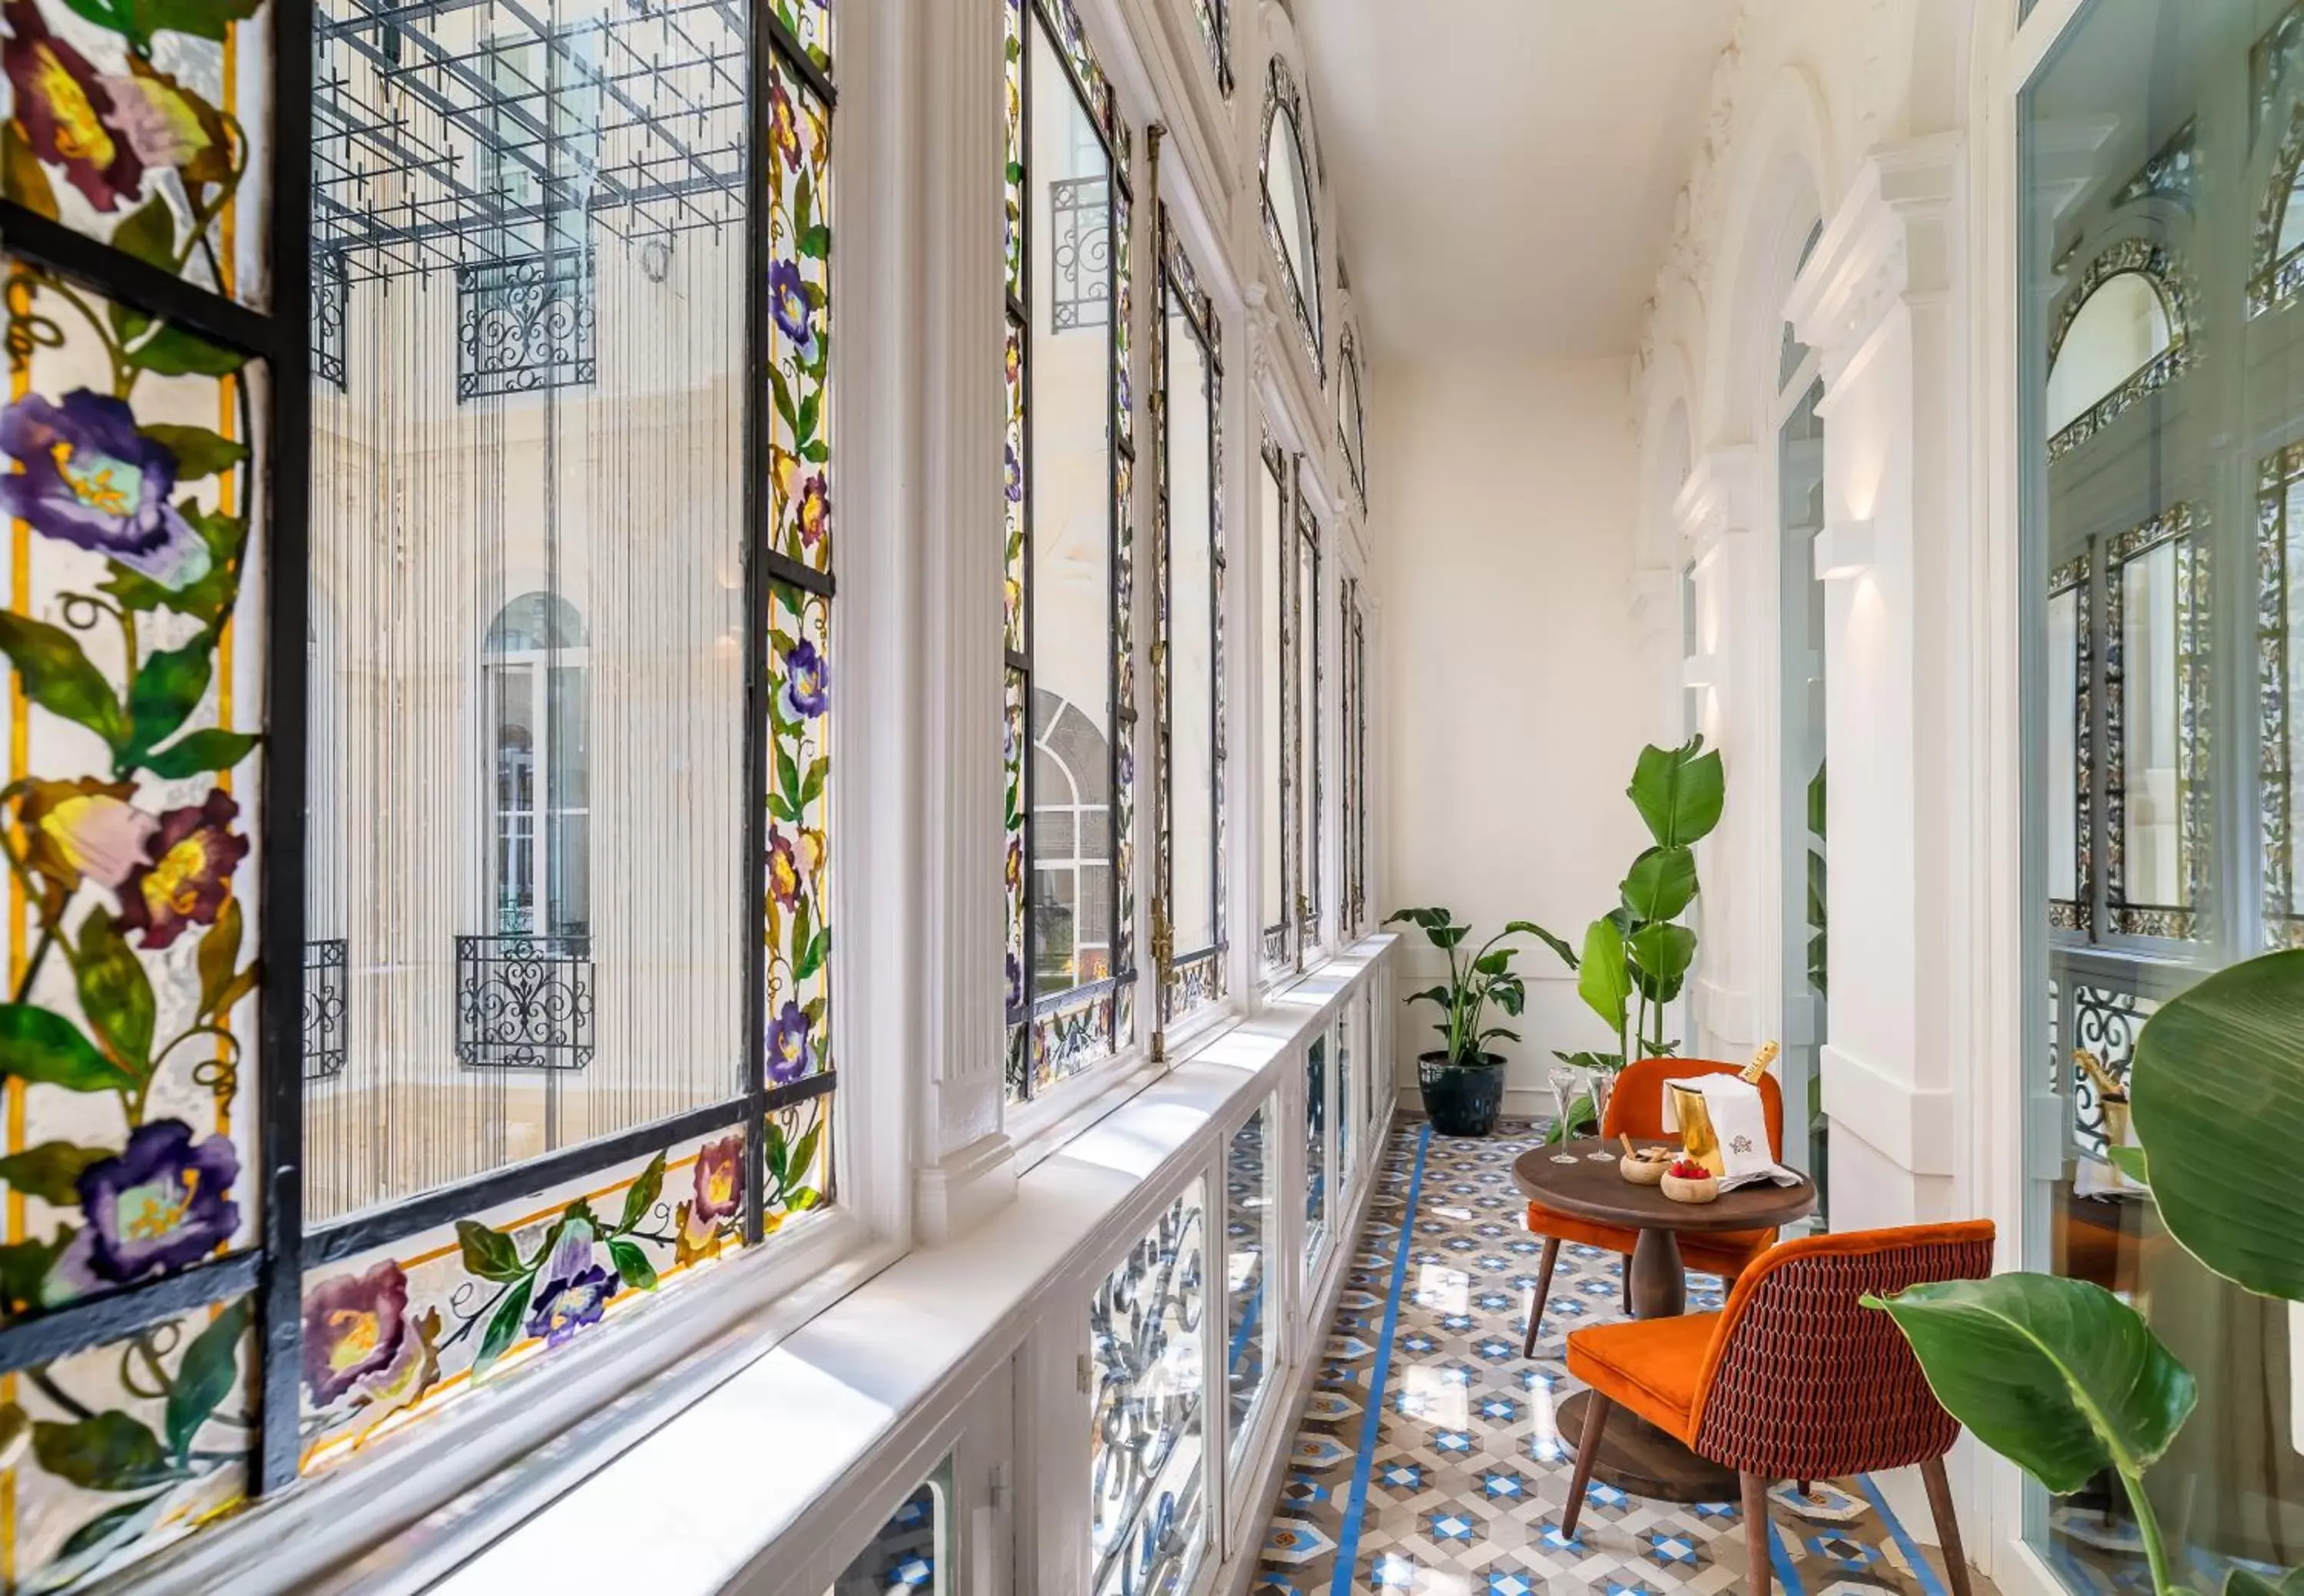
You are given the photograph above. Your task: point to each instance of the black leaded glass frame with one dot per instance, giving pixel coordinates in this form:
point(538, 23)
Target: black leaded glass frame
point(1190, 978)
point(1278, 942)
point(1281, 93)
point(1053, 1036)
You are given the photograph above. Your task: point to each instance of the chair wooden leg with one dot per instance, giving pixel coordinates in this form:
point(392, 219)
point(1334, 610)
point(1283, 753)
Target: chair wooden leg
point(1947, 1527)
point(1628, 1287)
point(1587, 1450)
point(1757, 1573)
point(1543, 1290)
point(1804, 1485)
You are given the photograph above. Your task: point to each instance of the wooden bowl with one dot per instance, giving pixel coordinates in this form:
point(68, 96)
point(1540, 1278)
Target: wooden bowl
point(1643, 1172)
point(1691, 1191)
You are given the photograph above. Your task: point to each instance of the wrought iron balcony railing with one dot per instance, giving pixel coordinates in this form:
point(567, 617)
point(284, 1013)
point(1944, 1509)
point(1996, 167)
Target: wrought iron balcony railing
point(524, 1003)
point(325, 998)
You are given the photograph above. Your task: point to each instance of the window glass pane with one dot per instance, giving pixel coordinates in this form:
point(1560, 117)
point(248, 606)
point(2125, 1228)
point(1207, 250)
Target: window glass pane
point(2160, 691)
point(1273, 536)
point(1345, 1111)
point(1309, 724)
point(1147, 1490)
point(2063, 763)
point(536, 387)
point(1315, 1151)
point(1192, 657)
point(906, 1558)
point(2154, 870)
point(1251, 1237)
point(2114, 334)
point(139, 133)
point(1292, 205)
point(1072, 574)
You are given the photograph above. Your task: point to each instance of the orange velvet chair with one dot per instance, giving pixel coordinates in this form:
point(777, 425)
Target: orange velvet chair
point(1795, 1378)
point(1635, 1109)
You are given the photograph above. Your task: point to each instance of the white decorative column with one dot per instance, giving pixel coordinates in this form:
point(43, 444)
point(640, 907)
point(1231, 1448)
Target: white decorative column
point(964, 1165)
point(1733, 664)
point(1908, 957)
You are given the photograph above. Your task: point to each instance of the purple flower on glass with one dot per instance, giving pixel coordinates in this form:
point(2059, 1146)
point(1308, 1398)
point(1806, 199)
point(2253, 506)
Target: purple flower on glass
point(90, 479)
point(1015, 477)
point(1015, 981)
point(160, 1205)
point(187, 873)
point(804, 681)
point(66, 112)
point(783, 868)
point(354, 1328)
point(576, 1291)
point(794, 305)
point(565, 1307)
point(790, 1055)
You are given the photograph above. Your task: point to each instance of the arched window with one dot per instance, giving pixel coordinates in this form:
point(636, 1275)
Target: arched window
point(540, 769)
point(2120, 335)
point(1290, 220)
point(1216, 32)
point(1071, 450)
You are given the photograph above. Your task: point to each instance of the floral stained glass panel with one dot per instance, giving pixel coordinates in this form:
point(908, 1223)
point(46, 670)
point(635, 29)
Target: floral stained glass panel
point(799, 923)
point(1014, 514)
point(396, 1333)
point(800, 296)
point(142, 126)
point(811, 22)
point(1013, 15)
point(133, 1444)
point(1013, 781)
point(126, 485)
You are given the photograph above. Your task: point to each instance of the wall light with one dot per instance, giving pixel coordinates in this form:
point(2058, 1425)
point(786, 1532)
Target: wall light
point(1842, 550)
point(1698, 670)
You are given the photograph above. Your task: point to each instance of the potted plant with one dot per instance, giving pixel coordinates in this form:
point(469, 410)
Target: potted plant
point(2063, 1377)
point(1636, 957)
point(1464, 1083)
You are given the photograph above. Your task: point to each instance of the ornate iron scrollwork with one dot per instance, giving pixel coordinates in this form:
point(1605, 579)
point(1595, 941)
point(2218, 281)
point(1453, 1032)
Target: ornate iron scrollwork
point(524, 1002)
point(524, 326)
point(324, 1008)
point(1145, 1325)
point(1079, 224)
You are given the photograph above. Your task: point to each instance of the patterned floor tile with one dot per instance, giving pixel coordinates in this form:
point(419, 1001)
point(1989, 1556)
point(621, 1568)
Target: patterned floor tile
point(1466, 1474)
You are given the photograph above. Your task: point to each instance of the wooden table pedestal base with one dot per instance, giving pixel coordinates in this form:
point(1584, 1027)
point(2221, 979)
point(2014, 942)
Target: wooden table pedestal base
point(1639, 1458)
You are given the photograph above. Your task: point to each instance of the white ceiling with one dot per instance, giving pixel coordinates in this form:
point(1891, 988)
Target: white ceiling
point(1508, 168)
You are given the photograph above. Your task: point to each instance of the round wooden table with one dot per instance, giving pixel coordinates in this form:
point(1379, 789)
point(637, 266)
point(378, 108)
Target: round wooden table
point(1635, 1456)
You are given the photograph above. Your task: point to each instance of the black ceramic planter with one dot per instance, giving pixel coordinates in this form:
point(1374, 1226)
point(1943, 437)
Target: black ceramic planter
point(1462, 1100)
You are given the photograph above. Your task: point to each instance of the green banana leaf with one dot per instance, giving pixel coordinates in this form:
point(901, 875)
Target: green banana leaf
point(1661, 883)
point(2060, 1377)
point(1679, 792)
point(2217, 1091)
point(1602, 980)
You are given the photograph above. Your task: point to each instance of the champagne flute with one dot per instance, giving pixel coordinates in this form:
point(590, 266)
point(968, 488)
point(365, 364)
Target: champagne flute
point(1603, 1082)
point(1564, 1084)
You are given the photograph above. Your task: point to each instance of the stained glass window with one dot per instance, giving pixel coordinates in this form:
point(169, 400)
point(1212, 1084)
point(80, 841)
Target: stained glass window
point(1148, 1425)
point(1189, 640)
point(1291, 223)
point(1351, 423)
point(1216, 32)
point(1275, 546)
point(2118, 335)
point(134, 433)
point(1305, 659)
point(1070, 735)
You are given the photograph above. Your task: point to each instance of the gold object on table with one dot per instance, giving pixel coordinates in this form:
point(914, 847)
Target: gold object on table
point(1698, 1139)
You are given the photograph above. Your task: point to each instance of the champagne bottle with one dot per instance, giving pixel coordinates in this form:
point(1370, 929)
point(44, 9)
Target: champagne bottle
point(1751, 1073)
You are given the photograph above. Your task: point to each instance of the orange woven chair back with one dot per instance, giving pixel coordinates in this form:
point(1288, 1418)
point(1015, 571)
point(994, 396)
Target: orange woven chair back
point(1803, 1381)
point(1636, 1108)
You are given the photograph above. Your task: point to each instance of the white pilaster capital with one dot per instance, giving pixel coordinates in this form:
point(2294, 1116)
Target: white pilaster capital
point(1720, 497)
point(1891, 243)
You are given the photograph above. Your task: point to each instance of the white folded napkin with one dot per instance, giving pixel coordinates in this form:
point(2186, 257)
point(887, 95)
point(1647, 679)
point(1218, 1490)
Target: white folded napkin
point(1741, 1121)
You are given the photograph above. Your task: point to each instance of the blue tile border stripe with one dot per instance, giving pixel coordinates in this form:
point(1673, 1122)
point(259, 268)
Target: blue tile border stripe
point(1348, 1539)
point(1923, 1570)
